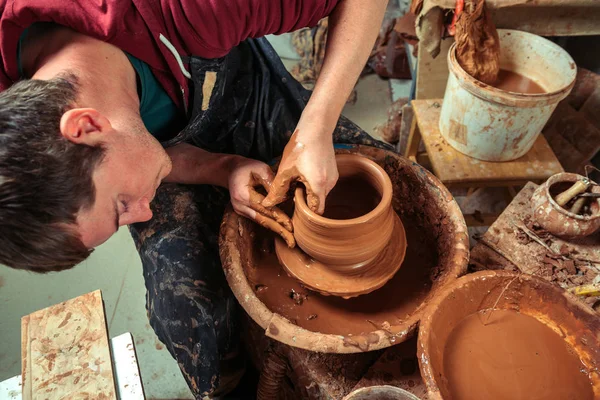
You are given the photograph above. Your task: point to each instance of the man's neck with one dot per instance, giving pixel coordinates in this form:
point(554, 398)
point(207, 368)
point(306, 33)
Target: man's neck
point(107, 80)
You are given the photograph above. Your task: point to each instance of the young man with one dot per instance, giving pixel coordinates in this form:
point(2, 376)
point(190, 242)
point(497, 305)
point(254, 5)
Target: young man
point(102, 102)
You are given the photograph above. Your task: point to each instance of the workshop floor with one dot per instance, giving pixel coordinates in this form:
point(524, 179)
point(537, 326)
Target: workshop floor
point(115, 268)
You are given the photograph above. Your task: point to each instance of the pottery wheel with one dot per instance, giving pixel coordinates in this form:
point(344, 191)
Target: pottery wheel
point(327, 281)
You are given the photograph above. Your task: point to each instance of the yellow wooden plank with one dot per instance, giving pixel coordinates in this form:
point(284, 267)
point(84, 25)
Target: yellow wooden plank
point(455, 168)
point(68, 354)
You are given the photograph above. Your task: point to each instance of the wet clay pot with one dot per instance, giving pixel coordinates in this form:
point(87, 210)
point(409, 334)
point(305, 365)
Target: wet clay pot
point(358, 244)
point(556, 219)
point(572, 327)
point(383, 392)
point(348, 244)
point(437, 232)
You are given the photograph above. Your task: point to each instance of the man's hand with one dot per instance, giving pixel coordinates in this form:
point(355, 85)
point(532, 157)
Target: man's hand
point(309, 159)
point(245, 175)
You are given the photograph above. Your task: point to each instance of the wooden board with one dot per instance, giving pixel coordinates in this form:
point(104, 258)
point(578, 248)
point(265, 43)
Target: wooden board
point(65, 351)
point(458, 170)
point(512, 243)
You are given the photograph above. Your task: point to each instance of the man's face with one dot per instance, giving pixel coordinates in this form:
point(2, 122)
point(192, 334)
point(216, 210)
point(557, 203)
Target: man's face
point(125, 182)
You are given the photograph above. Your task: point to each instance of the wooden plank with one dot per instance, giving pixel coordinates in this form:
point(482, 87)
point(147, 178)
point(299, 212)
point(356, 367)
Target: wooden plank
point(457, 169)
point(432, 73)
point(66, 353)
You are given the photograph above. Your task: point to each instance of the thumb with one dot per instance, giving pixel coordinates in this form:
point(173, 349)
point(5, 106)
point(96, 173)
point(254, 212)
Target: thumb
point(280, 186)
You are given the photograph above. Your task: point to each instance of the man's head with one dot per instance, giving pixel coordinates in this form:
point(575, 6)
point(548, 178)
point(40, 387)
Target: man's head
point(68, 178)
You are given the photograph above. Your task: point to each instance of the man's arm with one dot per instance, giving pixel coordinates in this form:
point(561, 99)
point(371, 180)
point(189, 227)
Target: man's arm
point(192, 165)
point(353, 28)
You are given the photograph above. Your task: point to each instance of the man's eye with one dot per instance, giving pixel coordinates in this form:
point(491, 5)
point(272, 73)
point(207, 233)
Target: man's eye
point(124, 206)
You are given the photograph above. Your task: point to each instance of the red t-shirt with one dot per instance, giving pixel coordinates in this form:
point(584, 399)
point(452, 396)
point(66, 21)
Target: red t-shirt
point(159, 32)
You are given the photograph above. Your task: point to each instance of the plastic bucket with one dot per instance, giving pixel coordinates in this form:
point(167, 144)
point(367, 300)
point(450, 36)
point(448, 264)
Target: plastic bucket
point(383, 392)
point(491, 124)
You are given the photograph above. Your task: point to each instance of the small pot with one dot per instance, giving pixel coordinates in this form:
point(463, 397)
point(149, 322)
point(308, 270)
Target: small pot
point(556, 219)
point(347, 244)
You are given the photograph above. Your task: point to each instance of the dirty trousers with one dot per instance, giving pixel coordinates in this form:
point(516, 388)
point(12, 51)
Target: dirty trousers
point(245, 103)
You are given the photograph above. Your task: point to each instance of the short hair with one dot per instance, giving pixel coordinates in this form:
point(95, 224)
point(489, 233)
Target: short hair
point(45, 179)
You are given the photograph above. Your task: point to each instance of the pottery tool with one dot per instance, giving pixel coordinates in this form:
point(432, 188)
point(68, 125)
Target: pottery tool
point(577, 188)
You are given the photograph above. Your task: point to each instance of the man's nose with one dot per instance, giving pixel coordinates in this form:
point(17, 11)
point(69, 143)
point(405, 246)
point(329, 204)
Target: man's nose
point(137, 212)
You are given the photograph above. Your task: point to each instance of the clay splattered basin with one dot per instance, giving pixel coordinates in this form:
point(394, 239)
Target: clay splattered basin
point(437, 253)
point(539, 342)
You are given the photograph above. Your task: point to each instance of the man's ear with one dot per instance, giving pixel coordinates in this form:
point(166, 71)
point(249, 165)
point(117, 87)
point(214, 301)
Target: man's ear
point(84, 126)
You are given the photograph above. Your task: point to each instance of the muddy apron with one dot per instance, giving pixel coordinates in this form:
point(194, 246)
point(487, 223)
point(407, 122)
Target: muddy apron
point(245, 103)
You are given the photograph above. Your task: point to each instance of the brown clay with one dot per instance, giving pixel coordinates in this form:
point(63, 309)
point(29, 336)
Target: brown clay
point(437, 253)
point(316, 312)
point(539, 342)
point(347, 251)
point(513, 82)
point(560, 221)
point(511, 356)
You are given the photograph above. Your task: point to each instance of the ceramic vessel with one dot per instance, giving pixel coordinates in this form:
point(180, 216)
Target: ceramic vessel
point(559, 221)
point(550, 305)
point(347, 244)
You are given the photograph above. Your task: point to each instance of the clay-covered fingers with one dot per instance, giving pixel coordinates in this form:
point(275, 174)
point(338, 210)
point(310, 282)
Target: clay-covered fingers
point(315, 200)
point(273, 213)
point(266, 222)
point(277, 193)
point(277, 228)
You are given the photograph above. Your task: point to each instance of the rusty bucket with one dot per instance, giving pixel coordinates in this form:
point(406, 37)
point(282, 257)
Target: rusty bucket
point(423, 204)
point(576, 328)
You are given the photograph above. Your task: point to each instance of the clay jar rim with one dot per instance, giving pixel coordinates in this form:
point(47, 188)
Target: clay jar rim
point(568, 177)
point(505, 97)
point(381, 208)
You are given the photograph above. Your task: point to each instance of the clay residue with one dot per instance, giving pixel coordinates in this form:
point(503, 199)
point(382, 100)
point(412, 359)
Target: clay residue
point(388, 305)
point(513, 82)
point(511, 356)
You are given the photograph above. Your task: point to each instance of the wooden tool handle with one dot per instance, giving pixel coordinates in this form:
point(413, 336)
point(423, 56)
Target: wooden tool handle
point(578, 205)
point(566, 196)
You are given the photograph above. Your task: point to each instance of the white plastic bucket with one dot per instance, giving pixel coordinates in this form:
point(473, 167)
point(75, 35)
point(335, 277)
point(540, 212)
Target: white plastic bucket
point(491, 124)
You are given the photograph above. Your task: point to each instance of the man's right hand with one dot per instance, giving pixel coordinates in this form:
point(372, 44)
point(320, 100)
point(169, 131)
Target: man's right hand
point(246, 174)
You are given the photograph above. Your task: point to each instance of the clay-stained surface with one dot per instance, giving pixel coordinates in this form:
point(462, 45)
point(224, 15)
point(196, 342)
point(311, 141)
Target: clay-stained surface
point(418, 198)
point(515, 242)
point(562, 313)
point(66, 353)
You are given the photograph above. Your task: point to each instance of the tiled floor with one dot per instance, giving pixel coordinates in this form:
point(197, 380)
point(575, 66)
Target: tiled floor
point(115, 268)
